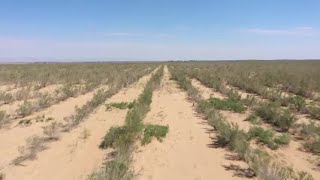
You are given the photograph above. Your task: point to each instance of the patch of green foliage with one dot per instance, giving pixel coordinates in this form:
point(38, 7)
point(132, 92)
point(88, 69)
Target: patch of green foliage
point(252, 118)
point(121, 105)
point(268, 137)
point(272, 113)
point(227, 104)
point(156, 131)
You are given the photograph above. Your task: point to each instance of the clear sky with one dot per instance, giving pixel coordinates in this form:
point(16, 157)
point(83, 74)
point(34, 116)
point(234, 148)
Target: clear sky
point(159, 29)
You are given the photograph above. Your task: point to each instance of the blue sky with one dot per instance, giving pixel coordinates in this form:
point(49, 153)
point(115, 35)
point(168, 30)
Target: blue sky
point(159, 29)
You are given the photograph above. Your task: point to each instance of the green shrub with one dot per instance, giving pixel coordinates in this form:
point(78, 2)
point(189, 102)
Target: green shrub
point(266, 136)
point(156, 131)
point(227, 104)
point(283, 139)
point(311, 135)
point(252, 118)
point(285, 120)
point(121, 105)
point(271, 113)
point(299, 103)
point(113, 135)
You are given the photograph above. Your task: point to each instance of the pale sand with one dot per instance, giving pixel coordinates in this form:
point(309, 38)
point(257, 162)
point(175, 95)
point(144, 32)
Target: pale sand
point(186, 152)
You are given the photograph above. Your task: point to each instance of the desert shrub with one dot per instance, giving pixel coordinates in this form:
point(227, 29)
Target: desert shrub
point(311, 133)
point(249, 101)
point(29, 151)
point(6, 97)
point(227, 104)
point(282, 139)
point(44, 101)
point(113, 135)
point(67, 90)
point(23, 94)
point(252, 118)
point(25, 109)
point(267, 137)
point(121, 105)
point(314, 111)
point(298, 103)
point(156, 131)
point(233, 95)
point(285, 120)
point(271, 113)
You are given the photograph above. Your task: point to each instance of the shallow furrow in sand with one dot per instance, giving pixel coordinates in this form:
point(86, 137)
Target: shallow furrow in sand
point(186, 152)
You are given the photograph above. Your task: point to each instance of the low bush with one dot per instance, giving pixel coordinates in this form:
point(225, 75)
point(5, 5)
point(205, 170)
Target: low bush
point(311, 134)
point(268, 137)
point(6, 97)
point(314, 111)
point(121, 105)
point(156, 131)
point(25, 109)
point(44, 101)
point(113, 137)
point(272, 113)
point(298, 103)
point(227, 104)
point(252, 118)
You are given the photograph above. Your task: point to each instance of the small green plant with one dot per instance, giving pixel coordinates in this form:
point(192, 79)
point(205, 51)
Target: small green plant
point(156, 131)
point(121, 105)
point(263, 136)
point(25, 109)
point(252, 118)
point(227, 104)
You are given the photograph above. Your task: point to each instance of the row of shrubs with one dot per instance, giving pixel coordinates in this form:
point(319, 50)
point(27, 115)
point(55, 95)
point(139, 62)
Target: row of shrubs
point(122, 138)
point(230, 136)
point(272, 113)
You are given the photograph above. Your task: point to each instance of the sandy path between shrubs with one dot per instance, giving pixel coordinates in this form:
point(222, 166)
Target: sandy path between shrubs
point(73, 156)
point(290, 155)
point(185, 153)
